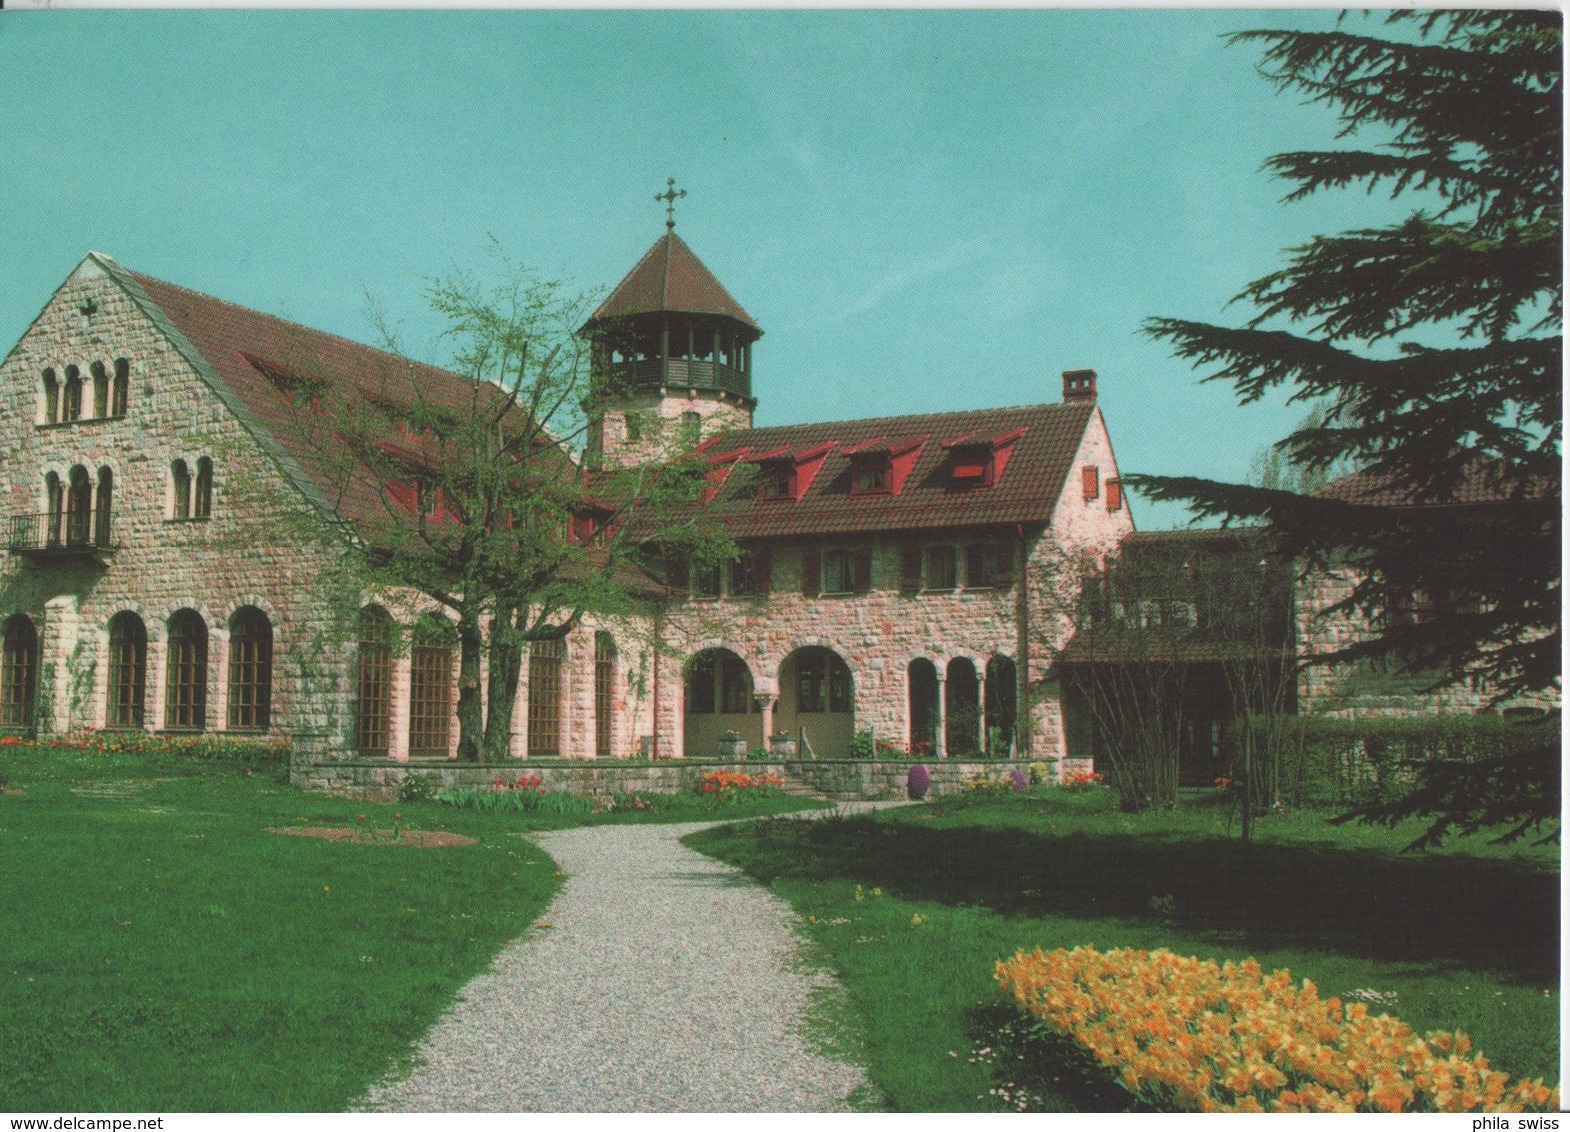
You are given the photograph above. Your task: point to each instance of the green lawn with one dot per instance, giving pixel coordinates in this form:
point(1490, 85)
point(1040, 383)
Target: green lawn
point(160, 950)
point(913, 907)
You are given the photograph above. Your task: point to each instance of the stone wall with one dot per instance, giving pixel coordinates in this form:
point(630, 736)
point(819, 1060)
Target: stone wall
point(840, 778)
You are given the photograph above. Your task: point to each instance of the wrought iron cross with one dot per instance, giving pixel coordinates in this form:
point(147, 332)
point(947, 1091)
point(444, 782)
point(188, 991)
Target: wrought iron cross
point(670, 196)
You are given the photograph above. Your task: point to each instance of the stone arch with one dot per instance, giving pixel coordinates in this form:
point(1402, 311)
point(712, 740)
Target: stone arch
point(961, 709)
point(100, 390)
point(718, 688)
point(120, 392)
point(49, 396)
point(921, 682)
point(71, 395)
point(999, 704)
point(185, 683)
point(818, 693)
point(378, 634)
point(127, 671)
point(250, 688)
point(79, 507)
point(18, 673)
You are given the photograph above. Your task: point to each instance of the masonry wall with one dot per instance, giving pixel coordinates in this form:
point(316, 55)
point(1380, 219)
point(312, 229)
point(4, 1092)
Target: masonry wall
point(247, 554)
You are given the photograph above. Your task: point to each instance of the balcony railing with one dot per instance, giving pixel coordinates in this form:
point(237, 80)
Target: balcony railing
point(684, 373)
point(74, 532)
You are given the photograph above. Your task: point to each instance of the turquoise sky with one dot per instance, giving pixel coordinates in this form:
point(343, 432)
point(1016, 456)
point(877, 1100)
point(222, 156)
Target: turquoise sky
point(924, 210)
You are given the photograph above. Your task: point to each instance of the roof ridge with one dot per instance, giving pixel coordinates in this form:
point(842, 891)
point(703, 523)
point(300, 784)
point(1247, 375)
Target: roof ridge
point(927, 416)
point(141, 277)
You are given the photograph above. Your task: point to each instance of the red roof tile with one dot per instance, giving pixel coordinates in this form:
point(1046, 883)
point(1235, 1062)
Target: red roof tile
point(671, 278)
point(1481, 480)
point(1026, 492)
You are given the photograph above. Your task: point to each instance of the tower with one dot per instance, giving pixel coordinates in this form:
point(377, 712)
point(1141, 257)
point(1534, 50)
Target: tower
point(672, 357)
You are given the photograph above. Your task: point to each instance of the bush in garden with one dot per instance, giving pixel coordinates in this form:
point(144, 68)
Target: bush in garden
point(1185, 1035)
point(1019, 781)
point(725, 786)
point(1077, 780)
point(918, 783)
point(1038, 773)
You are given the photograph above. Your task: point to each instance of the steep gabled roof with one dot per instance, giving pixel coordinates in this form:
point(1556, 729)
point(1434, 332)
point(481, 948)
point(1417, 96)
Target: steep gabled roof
point(1027, 490)
point(254, 361)
point(671, 278)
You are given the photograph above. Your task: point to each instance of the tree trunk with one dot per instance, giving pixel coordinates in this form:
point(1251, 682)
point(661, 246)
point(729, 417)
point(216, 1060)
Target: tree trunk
point(502, 685)
point(471, 710)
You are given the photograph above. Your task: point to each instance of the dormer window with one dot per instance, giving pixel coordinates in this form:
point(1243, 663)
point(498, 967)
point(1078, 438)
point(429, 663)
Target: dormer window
point(777, 480)
point(973, 466)
point(869, 474)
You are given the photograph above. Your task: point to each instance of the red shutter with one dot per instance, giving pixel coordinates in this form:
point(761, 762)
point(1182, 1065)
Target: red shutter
point(762, 569)
point(1114, 495)
point(910, 569)
point(811, 585)
point(862, 572)
point(1092, 478)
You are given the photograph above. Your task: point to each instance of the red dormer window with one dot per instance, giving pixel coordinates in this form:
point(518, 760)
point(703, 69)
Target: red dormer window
point(973, 466)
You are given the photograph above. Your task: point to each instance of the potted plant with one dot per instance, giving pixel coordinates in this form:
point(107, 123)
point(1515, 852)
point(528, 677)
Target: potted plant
point(732, 746)
point(783, 745)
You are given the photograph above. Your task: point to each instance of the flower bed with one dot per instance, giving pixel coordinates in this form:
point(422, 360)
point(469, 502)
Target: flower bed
point(724, 785)
point(206, 747)
point(1181, 1034)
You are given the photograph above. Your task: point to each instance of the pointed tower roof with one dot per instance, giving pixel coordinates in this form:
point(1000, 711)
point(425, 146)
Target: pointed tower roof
point(671, 278)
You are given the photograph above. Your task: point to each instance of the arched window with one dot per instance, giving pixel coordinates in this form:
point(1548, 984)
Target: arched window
point(202, 505)
point(1001, 696)
point(18, 672)
point(922, 678)
point(185, 706)
point(79, 508)
point(373, 709)
point(961, 709)
point(71, 405)
point(100, 390)
point(56, 506)
point(818, 696)
point(122, 387)
point(101, 515)
point(180, 490)
point(430, 691)
point(127, 670)
point(604, 693)
point(250, 670)
point(545, 664)
point(51, 397)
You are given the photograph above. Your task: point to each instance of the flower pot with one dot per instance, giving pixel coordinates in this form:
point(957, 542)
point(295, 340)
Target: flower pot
point(735, 750)
point(783, 746)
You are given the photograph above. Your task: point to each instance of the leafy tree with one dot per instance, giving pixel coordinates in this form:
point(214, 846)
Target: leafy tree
point(470, 492)
point(1433, 343)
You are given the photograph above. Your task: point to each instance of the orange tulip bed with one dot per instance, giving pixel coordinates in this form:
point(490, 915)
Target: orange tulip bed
point(1187, 1035)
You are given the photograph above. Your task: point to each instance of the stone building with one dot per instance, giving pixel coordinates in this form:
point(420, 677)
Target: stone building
point(172, 547)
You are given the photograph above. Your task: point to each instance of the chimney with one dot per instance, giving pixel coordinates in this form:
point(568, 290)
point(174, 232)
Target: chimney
point(1079, 385)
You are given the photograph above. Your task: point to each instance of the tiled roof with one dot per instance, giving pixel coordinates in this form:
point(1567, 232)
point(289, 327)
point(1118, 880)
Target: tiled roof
point(1026, 492)
point(671, 278)
point(251, 353)
point(1482, 480)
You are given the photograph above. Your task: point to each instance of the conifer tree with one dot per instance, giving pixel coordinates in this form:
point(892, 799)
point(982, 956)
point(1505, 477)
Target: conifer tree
point(1434, 344)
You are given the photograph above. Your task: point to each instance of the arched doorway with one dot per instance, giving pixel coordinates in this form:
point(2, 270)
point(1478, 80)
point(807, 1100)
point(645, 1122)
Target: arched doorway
point(922, 678)
point(1001, 694)
point(818, 693)
point(719, 699)
point(961, 710)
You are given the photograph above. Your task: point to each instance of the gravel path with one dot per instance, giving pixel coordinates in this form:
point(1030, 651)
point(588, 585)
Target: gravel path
point(668, 983)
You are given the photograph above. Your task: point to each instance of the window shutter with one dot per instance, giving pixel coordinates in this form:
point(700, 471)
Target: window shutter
point(1092, 477)
point(762, 569)
point(679, 575)
point(810, 584)
point(1114, 495)
point(910, 569)
point(862, 572)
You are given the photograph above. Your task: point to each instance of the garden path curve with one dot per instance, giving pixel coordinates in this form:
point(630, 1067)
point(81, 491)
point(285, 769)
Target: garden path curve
point(668, 982)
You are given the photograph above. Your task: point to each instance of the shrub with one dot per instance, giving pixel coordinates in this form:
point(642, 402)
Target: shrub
point(526, 795)
point(1366, 760)
point(416, 788)
point(863, 745)
point(918, 783)
point(205, 748)
point(1186, 1035)
point(1038, 773)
